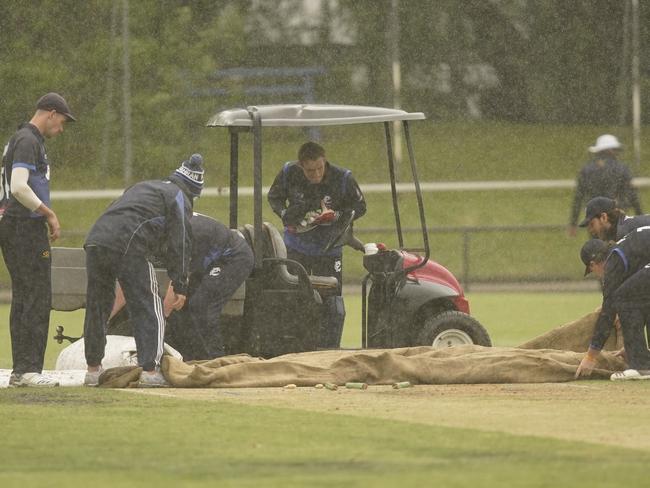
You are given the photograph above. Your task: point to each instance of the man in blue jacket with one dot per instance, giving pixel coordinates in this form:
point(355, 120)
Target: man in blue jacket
point(149, 215)
point(625, 270)
point(311, 196)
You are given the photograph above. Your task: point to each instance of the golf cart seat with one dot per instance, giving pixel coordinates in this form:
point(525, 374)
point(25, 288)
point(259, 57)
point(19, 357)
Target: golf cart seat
point(69, 283)
point(68, 278)
point(274, 248)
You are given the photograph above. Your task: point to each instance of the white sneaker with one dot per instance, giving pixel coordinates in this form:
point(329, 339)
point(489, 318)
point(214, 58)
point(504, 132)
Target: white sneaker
point(153, 379)
point(92, 377)
point(631, 374)
point(35, 380)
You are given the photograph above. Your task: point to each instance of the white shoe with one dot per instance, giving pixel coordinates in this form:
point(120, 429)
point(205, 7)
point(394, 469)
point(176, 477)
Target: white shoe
point(631, 374)
point(34, 380)
point(92, 377)
point(153, 379)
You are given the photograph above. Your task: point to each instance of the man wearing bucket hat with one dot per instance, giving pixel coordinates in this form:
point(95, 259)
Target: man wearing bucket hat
point(625, 270)
point(27, 227)
point(604, 220)
point(604, 176)
point(120, 246)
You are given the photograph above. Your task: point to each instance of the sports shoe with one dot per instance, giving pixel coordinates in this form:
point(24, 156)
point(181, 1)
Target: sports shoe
point(92, 377)
point(631, 374)
point(34, 380)
point(152, 379)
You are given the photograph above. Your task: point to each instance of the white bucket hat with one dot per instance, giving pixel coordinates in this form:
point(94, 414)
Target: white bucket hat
point(604, 142)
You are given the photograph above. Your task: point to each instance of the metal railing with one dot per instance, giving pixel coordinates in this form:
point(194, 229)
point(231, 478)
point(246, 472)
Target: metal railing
point(469, 240)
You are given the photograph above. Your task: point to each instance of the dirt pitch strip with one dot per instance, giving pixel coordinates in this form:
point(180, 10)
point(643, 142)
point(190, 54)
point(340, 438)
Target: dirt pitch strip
point(614, 414)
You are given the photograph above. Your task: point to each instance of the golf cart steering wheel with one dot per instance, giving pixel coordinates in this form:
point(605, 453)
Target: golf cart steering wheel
point(343, 233)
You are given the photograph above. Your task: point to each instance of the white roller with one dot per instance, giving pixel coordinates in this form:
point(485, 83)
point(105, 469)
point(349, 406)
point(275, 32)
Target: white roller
point(120, 351)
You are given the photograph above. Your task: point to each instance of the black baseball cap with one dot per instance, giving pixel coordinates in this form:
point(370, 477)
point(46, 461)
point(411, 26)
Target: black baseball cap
point(595, 207)
point(593, 250)
point(54, 101)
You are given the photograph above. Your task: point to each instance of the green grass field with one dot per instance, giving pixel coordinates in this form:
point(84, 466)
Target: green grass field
point(112, 438)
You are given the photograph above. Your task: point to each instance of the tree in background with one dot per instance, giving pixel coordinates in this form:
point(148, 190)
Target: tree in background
point(548, 61)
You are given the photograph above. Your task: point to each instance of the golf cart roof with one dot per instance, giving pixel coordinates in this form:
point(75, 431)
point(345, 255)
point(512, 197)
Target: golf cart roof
point(307, 115)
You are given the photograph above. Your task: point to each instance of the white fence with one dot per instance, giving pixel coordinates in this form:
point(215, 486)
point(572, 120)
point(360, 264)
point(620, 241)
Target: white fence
point(369, 188)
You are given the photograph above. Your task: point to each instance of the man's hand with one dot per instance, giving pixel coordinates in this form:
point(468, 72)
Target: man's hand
point(621, 354)
point(52, 222)
point(173, 301)
point(587, 364)
point(326, 217)
point(119, 302)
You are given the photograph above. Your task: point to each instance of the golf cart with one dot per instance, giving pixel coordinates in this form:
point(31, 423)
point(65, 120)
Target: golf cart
point(407, 299)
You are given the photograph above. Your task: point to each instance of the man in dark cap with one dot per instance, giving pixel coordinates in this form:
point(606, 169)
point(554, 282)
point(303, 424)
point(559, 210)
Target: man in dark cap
point(624, 268)
point(148, 217)
point(27, 227)
point(604, 176)
point(604, 220)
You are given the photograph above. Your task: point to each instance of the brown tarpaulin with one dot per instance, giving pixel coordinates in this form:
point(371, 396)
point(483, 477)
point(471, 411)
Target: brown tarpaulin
point(537, 361)
point(574, 336)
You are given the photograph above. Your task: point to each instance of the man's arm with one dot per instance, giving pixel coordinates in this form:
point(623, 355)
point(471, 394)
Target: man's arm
point(578, 198)
point(179, 241)
point(291, 208)
point(277, 196)
point(24, 161)
point(355, 198)
point(615, 274)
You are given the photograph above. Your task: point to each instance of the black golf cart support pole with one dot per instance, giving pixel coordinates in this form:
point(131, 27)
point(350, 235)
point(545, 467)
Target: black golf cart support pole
point(257, 184)
point(393, 188)
point(364, 310)
point(418, 193)
point(234, 177)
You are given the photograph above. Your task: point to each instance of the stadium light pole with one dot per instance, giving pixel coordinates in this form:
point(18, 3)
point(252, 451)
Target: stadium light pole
point(636, 88)
point(108, 116)
point(126, 95)
point(393, 41)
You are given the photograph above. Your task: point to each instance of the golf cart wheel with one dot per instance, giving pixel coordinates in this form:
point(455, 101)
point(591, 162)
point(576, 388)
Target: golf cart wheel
point(453, 328)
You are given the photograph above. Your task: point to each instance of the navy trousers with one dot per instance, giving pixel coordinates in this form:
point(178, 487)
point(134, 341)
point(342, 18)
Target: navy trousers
point(26, 251)
point(137, 278)
point(195, 331)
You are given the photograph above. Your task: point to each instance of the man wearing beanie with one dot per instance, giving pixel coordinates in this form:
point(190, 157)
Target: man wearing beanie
point(148, 217)
point(27, 227)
